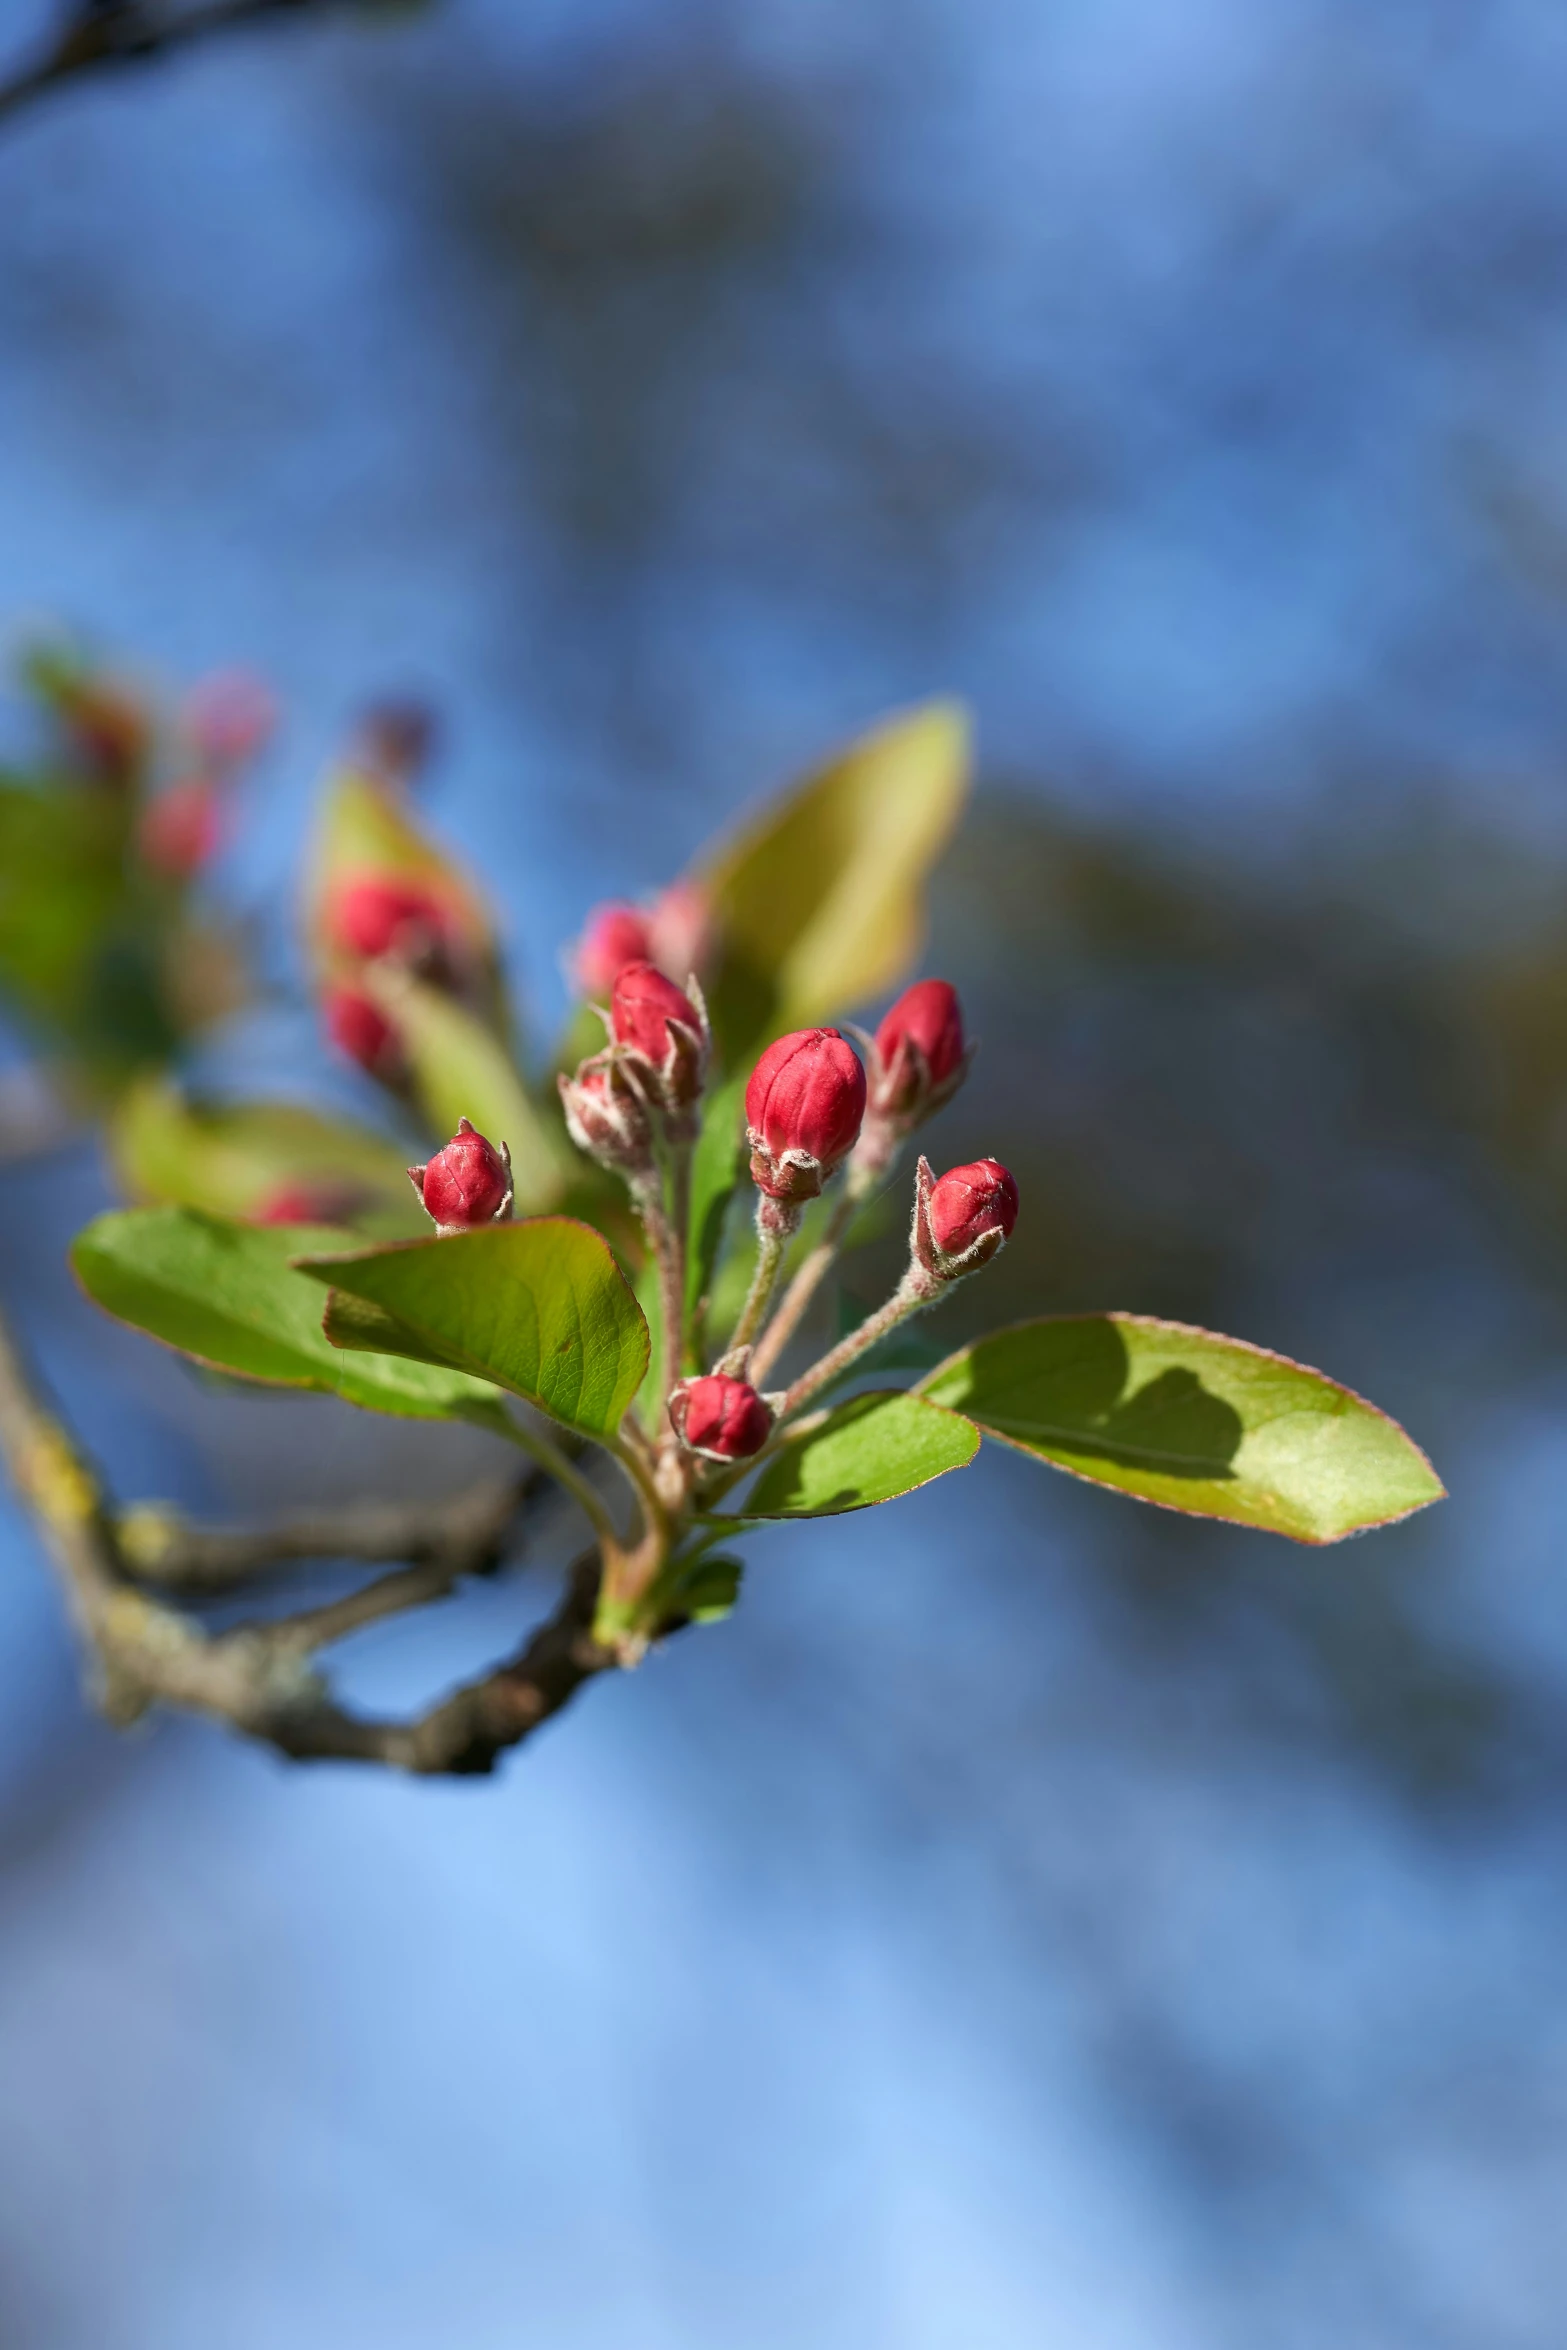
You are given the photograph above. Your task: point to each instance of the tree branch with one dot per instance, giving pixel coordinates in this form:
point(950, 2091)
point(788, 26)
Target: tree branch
point(100, 33)
point(469, 1532)
point(259, 1678)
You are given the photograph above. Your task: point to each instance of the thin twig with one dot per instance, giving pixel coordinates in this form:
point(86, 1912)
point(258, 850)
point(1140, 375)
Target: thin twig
point(127, 32)
point(157, 1545)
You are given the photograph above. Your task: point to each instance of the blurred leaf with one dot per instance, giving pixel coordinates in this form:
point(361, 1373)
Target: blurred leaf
point(462, 1070)
point(226, 1293)
point(540, 1307)
point(235, 1159)
point(364, 827)
point(706, 1592)
point(715, 1170)
point(871, 1449)
point(1207, 1425)
point(819, 902)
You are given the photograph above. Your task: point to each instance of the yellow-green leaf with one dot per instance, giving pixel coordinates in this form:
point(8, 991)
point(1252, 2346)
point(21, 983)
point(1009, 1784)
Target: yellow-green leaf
point(240, 1159)
point(1208, 1425)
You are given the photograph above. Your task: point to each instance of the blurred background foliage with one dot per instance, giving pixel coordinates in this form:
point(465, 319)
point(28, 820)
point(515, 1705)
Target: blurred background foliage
point(1029, 1919)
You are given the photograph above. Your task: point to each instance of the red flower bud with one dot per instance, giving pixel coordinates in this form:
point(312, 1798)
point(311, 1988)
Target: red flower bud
point(663, 1032)
point(467, 1184)
point(378, 914)
point(921, 1057)
point(725, 1419)
point(969, 1212)
point(181, 828)
point(607, 1116)
point(361, 1029)
point(310, 1203)
point(612, 937)
point(227, 717)
point(803, 1108)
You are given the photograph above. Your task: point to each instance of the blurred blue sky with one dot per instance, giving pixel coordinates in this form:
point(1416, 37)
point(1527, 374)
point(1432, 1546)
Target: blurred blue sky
point(937, 1957)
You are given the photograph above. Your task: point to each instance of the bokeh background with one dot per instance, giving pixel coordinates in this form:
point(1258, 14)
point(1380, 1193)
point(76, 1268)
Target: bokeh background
point(1031, 1920)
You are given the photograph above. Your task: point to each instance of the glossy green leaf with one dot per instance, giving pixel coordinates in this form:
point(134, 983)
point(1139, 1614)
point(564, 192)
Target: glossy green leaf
point(870, 1449)
point(461, 1069)
point(227, 1295)
point(819, 902)
point(539, 1307)
point(1194, 1422)
point(233, 1159)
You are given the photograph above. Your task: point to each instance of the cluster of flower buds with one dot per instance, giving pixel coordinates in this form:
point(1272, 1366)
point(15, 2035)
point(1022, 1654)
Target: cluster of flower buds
point(650, 1076)
point(466, 1185)
point(962, 1218)
point(673, 933)
point(803, 1109)
point(720, 1418)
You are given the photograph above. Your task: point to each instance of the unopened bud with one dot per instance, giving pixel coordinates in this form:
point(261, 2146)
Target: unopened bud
point(227, 717)
point(361, 1029)
point(180, 830)
point(310, 1203)
point(803, 1108)
point(921, 1058)
point(607, 1115)
point(662, 1032)
point(112, 726)
point(376, 915)
point(680, 929)
point(723, 1419)
point(963, 1217)
point(466, 1184)
point(395, 738)
point(613, 936)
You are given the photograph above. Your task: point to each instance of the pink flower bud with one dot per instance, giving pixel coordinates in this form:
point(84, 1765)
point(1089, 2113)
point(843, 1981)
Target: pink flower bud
point(227, 717)
point(181, 828)
point(921, 1057)
point(680, 930)
point(613, 936)
point(361, 1029)
point(607, 1116)
point(310, 1203)
point(969, 1213)
point(724, 1419)
point(663, 1032)
point(376, 914)
point(467, 1184)
point(803, 1108)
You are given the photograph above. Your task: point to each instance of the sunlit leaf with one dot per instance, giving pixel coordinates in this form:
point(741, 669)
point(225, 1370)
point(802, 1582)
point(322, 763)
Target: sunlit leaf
point(226, 1294)
point(539, 1307)
point(1207, 1425)
point(870, 1449)
point(242, 1159)
point(819, 902)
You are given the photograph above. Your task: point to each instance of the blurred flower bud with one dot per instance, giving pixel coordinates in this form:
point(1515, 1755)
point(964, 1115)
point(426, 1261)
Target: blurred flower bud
point(680, 931)
point(613, 936)
point(372, 915)
point(662, 1032)
point(962, 1218)
point(310, 1203)
point(394, 739)
point(723, 1419)
point(180, 830)
point(920, 1056)
point(607, 1115)
point(803, 1108)
point(361, 1029)
point(111, 725)
point(466, 1184)
point(227, 717)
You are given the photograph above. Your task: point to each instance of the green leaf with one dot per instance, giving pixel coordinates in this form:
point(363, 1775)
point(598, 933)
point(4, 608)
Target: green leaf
point(819, 902)
point(539, 1307)
point(715, 1170)
point(1207, 1425)
point(233, 1159)
point(462, 1070)
point(870, 1449)
point(226, 1294)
